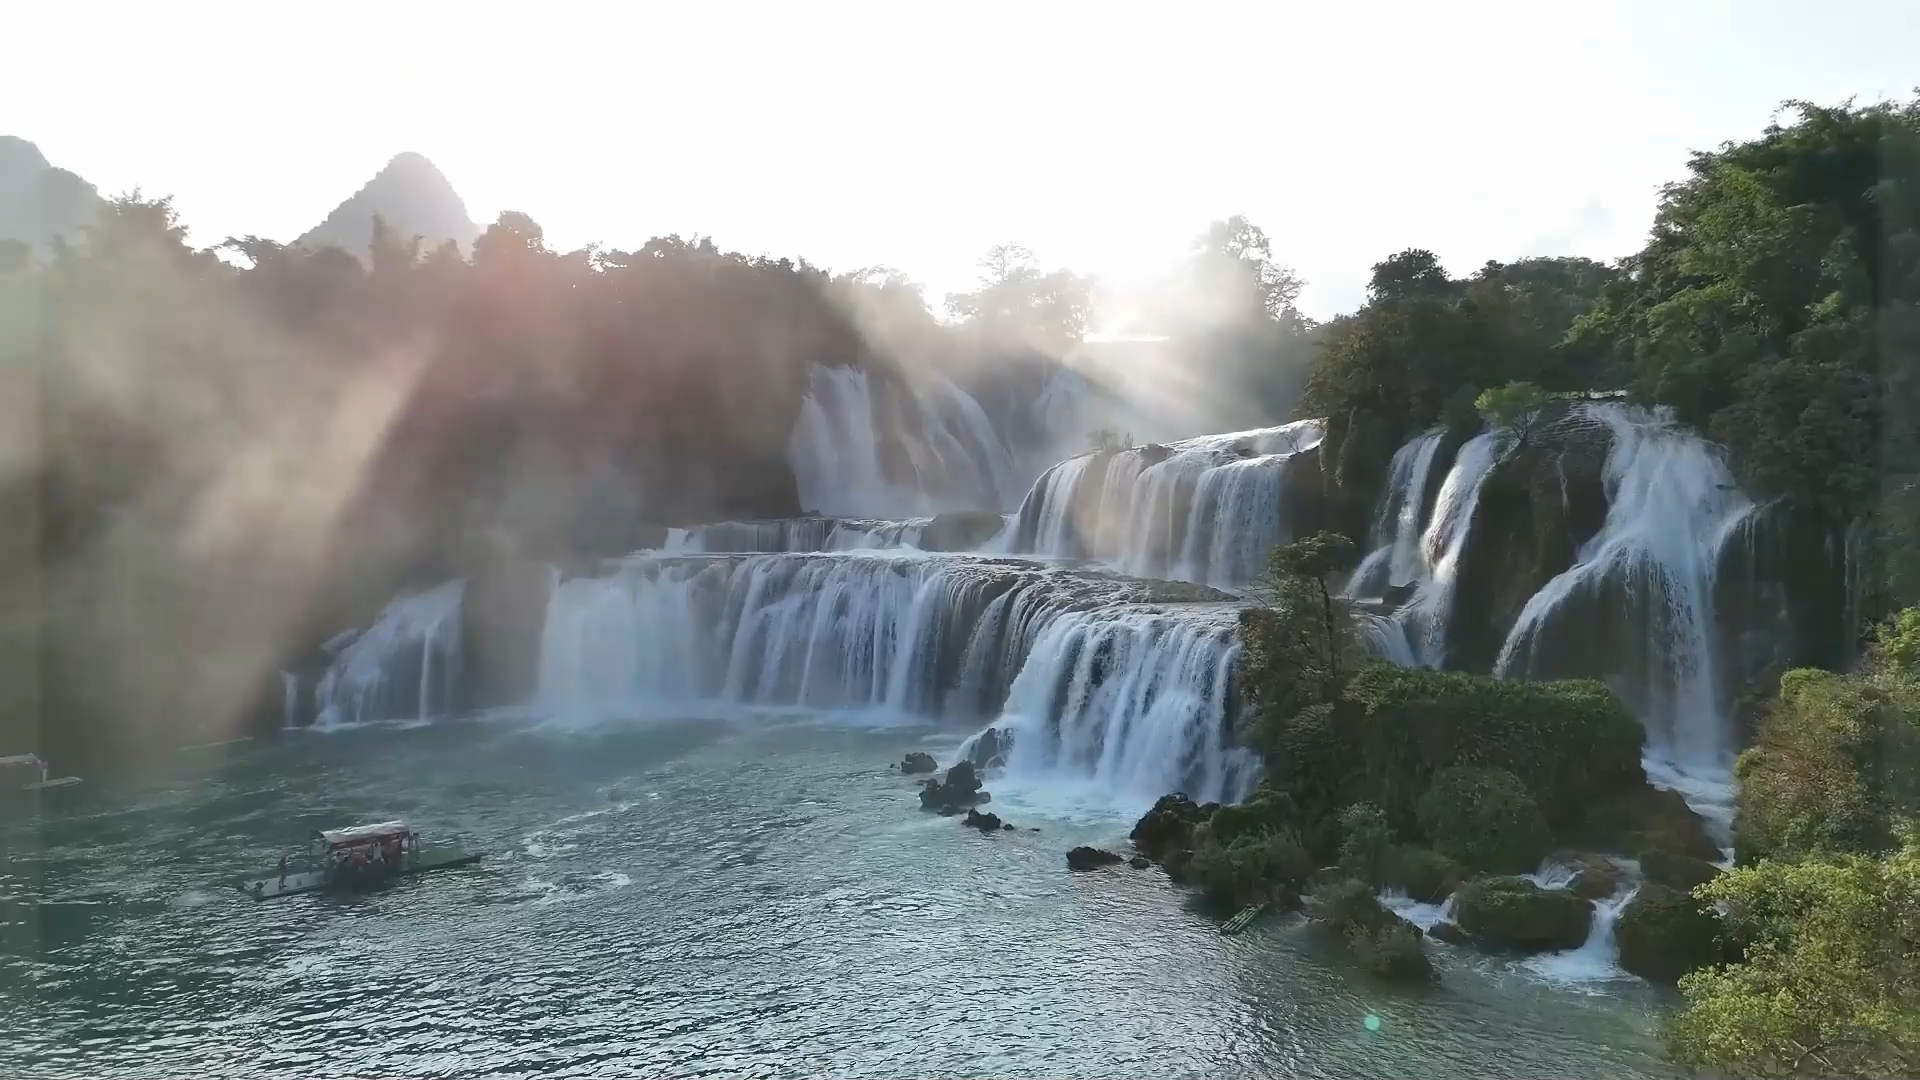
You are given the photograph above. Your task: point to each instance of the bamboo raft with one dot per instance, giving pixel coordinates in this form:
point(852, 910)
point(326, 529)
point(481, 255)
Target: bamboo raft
point(1244, 919)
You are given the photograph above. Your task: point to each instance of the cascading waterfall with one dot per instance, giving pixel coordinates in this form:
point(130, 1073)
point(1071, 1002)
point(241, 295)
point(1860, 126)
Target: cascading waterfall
point(1094, 676)
point(1133, 700)
point(1395, 558)
point(795, 535)
point(837, 449)
point(1430, 563)
point(1205, 510)
point(406, 666)
point(1636, 607)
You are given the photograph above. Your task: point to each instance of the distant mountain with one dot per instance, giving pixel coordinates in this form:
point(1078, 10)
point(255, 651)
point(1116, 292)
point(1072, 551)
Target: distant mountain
point(37, 201)
point(412, 196)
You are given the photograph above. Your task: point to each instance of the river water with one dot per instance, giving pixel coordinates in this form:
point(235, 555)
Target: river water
point(747, 896)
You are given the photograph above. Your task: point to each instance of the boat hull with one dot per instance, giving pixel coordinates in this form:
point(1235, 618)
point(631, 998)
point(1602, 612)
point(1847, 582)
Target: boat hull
point(271, 885)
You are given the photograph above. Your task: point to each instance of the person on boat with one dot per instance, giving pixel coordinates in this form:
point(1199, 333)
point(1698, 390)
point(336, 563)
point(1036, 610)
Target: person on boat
point(283, 870)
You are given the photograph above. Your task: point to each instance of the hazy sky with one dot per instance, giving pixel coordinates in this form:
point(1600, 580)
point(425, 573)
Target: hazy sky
point(916, 133)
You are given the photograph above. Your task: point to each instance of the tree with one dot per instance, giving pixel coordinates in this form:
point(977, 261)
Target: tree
point(1830, 981)
point(1413, 274)
point(1298, 574)
point(1514, 410)
point(1020, 306)
point(1235, 258)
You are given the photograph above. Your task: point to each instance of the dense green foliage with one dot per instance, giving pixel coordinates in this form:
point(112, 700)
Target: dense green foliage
point(1424, 874)
point(1484, 819)
point(1830, 980)
point(1824, 909)
point(1366, 843)
point(1249, 869)
point(1383, 943)
point(1836, 766)
point(1775, 306)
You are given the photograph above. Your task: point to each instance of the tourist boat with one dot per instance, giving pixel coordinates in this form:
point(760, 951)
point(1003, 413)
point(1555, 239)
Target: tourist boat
point(30, 773)
point(356, 858)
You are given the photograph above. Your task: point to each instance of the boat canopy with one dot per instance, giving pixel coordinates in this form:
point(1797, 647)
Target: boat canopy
point(360, 834)
point(11, 760)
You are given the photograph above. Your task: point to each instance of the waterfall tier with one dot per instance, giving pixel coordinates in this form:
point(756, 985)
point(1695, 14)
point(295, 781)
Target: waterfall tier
point(1112, 677)
point(1204, 510)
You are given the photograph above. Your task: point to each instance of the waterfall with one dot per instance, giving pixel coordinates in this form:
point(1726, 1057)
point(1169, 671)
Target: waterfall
point(289, 699)
point(1136, 701)
point(1598, 958)
point(794, 535)
point(1395, 558)
point(1636, 607)
point(1096, 679)
point(1432, 563)
point(1205, 510)
point(406, 666)
point(947, 453)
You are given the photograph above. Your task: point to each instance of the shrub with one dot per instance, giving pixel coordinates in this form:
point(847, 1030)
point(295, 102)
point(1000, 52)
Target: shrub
point(1485, 819)
point(1837, 762)
point(1423, 874)
point(1366, 845)
point(1251, 869)
point(1396, 951)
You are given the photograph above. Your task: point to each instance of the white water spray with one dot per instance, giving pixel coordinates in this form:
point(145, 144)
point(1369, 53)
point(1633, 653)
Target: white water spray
point(406, 666)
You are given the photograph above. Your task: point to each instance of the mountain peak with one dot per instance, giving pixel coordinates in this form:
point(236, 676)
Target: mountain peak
point(411, 195)
point(39, 203)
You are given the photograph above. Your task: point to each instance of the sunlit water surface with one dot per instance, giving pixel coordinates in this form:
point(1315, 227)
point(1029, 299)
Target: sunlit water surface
point(756, 896)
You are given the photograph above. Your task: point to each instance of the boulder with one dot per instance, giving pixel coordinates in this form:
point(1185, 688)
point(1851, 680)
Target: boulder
point(983, 822)
point(959, 790)
point(1514, 913)
point(1650, 819)
point(1091, 858)
point(918, 762)
point(990, 748)
point(1664, 934)
point(1676, 871)
point(1595, 877)
point(1179, 866)
point(1449, 933)
point(1424, 875)
point(1168, 827)
point(1139, 862)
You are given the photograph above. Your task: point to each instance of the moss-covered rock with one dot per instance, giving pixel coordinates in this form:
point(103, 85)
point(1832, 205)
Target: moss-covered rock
point(1265, 811)
point(1168, 827)
point(1384, 944)
point(1648, 819)
point(1484, 819)
point(1397, 952)
point(1514, 913)
point(1664, 934)
point(1423, 874)
point(1594, 876)
point(1676, 871)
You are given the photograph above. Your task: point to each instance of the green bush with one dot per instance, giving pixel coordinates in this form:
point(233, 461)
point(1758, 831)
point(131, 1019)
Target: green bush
point(1396, 951)
point(1252, 869)
point(1570, 743)
point(1366, 845)
point(1423, 874)
point(1837, 762)
point(1514, 913)
point(1485, 819)
point(1348, 904)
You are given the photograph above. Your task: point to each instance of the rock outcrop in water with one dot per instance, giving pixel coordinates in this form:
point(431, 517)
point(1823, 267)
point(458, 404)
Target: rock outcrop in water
point(918, 762)
point(1514, 913)
point(1665, 933)
point(1091, 858)
point(955, 792)
point(1168, 827)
